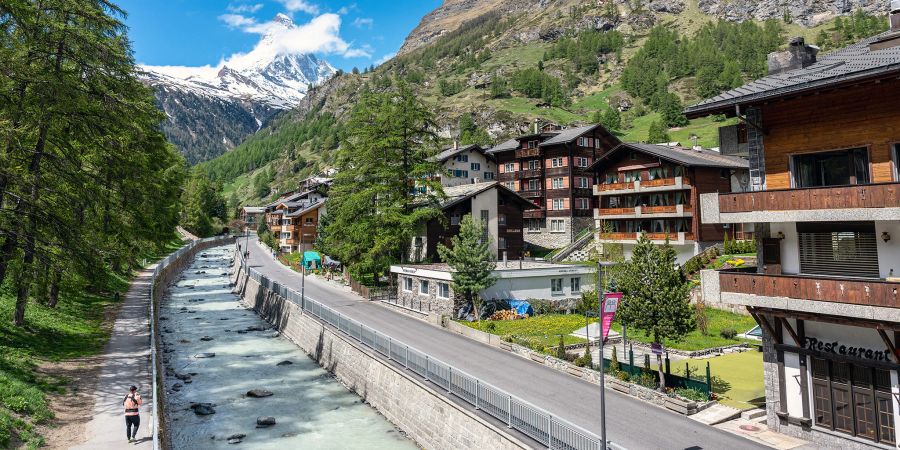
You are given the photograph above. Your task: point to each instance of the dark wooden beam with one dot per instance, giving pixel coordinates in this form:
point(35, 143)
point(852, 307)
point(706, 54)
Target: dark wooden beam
point(761, 320)
point(889, 344)
point(865, 323)
point(791, 331)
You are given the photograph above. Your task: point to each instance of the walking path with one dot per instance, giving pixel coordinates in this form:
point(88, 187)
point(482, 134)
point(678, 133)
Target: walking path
point(126, 362)
point(631, 423)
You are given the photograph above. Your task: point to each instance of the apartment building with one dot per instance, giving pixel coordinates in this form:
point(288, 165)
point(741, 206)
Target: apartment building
point(465, 165)
point(654, 189)
point(252, 216)
point(500, 209)
point(823, 138)
point(294, 218)
point(551, 168)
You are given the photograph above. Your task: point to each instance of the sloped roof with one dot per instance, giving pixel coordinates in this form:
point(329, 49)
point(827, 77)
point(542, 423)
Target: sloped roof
point(254, 209)
point(568, 135)
point(685, 156)
point(853, 63)
point(456, 194)
point(306, 209)
point(505, 146)
point(451, 152)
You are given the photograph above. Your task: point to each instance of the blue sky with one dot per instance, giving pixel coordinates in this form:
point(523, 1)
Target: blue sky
point(206, 32)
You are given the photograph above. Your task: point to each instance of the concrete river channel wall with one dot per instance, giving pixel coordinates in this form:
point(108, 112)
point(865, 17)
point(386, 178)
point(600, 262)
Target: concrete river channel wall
point(229, 379)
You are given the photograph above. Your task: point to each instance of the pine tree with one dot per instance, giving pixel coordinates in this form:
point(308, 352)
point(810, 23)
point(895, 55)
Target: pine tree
point(672, 110)
point(656, 295)
point(658, 133)
point(612, 120)
point(469, 255)
point(382, 161)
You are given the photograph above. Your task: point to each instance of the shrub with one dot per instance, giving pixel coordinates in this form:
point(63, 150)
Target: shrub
point(540, 306)
point(561, 349)
point(700, 318)
point(491, 326)
point(624, 376)
point(614, 366)
point(585, 361)
point(728, 333)
point(647, 380)
point(692, 394)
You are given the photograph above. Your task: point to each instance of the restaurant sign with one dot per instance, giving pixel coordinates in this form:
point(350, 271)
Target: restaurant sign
point(836, 348)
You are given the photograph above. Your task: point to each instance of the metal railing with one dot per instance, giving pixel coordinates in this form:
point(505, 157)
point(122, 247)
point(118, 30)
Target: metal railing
point(160, 266)
point(517, 414)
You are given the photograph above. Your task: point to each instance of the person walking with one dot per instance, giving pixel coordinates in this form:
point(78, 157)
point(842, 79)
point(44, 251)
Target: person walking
point(132, 404)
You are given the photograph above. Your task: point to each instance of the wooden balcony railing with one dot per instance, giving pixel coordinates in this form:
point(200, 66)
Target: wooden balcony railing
point(582, 192)
point(534, 214)
point(632, 236)
point(617, 211)
point(807, 287)
point(529, 173)
point(885, 195)
point(531, 194)
point(615, 186)
point(658, 209)
point(528, 152)
point(556, 171)
point(619, 236)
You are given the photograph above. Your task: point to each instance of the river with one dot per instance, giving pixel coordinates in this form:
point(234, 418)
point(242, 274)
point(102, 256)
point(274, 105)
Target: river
point(199, 317)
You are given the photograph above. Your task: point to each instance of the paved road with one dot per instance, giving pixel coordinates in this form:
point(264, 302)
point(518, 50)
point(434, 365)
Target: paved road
point(126, 361)
point(630, 422)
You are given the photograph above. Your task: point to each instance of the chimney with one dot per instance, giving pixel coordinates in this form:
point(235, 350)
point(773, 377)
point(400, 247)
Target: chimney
point(797, 56)
point(455, 144)
point(895, 15)
point(537, 126)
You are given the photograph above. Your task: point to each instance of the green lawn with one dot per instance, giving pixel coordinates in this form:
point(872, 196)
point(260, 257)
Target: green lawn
point(737, 377)
point(538, 332)
point(695, 340)
point(706, 129)
point(71, 330)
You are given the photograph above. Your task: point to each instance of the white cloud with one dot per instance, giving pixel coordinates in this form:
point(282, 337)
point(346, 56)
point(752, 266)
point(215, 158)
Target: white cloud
point(245, 8)
point(299, 5)
point(237, 20)
point(384, 58)
point(363, 22)
point(203, 72)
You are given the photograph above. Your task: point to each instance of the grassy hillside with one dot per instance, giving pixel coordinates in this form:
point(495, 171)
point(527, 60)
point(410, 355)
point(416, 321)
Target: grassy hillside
point(490, 68)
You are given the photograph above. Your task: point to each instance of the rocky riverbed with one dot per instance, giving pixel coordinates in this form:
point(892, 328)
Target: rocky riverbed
point(231, 380)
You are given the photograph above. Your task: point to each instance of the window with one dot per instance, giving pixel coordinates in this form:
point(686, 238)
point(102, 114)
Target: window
point(556, 286)
point(838, 168)
point(511, 185)
point(896, 162)
point(534, 184)
point(533, 225)
point(443, 290)
point(501, 219)
point(632, 175)
point(407, 284)
point(632, 155)
point(583, 182)
point(679, 171)
point(582, 162)
point(532, 144)
point(611, 178)
point(423, 287)
point(534, 164)
point(853, 399)
point(476, 166)
point(557, 226)
point(658, 172)
point(575, 283)
point(557, 183)
point(502, 243)
point(488, 176)
point(462, 158)
point(285, 235)
point(509, 167)
point(454, 219)
point(838, 249)
point(582, 203)
point(559, 204)
point(585, 142)
point(309, 221)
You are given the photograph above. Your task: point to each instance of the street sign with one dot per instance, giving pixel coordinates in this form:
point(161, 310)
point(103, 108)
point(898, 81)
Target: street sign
point(610, 305)
point(657, 349)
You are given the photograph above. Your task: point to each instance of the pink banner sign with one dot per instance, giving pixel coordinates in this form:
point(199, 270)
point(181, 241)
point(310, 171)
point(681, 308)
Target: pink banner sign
point(609, 307)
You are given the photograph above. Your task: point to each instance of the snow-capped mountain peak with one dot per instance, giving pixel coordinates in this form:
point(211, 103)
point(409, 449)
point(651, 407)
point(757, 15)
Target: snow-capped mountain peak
point(267, 74)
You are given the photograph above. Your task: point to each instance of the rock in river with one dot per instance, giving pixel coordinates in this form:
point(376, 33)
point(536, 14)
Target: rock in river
point(203, 409)
point(265, 421)
point(259, 393)
point(284, 363)
point(205, 355)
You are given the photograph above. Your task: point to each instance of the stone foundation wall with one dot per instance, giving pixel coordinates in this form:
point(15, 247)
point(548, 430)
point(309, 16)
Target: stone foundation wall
point(427, 416)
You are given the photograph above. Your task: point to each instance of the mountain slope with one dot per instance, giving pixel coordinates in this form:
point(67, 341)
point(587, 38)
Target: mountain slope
point(507, 63)
point(212, 110)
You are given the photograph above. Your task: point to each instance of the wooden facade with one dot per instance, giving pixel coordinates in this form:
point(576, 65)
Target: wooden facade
point(864, 115)
point(883, 195)
point(834, 290)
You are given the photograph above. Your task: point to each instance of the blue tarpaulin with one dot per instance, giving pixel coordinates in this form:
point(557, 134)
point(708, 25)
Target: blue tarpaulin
point(522, 307)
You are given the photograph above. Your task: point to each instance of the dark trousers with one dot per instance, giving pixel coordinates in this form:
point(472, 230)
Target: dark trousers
point(132, 421)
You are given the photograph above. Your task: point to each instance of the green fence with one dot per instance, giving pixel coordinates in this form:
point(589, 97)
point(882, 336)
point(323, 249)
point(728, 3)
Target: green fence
point(699, 381)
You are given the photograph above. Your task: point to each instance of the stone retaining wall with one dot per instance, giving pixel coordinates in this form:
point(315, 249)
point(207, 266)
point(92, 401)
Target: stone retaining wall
point(427, 416)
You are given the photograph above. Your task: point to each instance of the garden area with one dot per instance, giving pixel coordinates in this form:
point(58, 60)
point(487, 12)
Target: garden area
point(737, 378)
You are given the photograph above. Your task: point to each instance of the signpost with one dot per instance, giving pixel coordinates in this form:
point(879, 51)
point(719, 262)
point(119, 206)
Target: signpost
point(607, 303)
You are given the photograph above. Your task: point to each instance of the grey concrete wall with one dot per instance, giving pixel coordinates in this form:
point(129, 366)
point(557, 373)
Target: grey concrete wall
point(427, 416)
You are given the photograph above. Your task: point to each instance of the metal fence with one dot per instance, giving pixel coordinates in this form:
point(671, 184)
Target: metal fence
point(160, 266)
point(549, 431)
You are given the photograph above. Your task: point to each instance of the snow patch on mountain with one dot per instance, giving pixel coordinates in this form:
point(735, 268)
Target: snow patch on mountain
point(266, 75)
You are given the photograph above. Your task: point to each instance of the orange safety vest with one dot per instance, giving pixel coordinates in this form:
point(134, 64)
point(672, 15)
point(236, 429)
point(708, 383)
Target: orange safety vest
point(132, 402)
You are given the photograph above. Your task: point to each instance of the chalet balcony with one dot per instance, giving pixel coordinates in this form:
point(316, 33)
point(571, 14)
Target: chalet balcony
point(868, 298)
point(531, 194)
point(630, 187)
point(679, 238)
point(528, 153)
point(840, 203)
point(534, 214)
point(582, 192)
point(556, 171)
point(648, 212)
point(529, 173)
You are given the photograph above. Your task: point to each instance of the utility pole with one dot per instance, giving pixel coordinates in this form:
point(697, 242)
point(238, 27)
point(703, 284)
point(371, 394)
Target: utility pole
point(600, 293)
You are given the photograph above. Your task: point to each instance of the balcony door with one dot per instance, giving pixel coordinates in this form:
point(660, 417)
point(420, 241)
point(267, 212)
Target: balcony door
point(837, 168)
point(842, 249)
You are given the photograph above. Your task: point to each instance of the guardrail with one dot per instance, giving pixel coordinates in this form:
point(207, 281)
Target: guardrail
point(160, 266)
point(517, 414)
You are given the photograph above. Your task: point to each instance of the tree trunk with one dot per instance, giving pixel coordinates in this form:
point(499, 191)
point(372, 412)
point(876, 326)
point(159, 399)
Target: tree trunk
point(6, 254)
point(659, 366)
point(54, 289)
point(476, 306)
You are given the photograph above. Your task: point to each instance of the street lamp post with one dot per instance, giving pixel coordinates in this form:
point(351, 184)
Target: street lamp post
point(600, 292)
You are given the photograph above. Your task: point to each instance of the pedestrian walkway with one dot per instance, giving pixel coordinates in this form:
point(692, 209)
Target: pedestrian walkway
point(126, 362)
